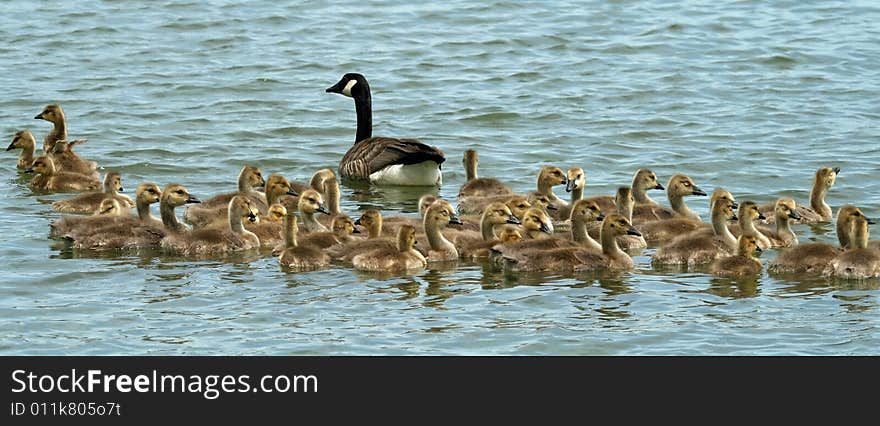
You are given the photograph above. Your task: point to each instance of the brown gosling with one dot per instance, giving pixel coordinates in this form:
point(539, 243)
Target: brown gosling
point(403, 258)
point(332, 198)
point(55, 115)
point(215, 208)
point(536, 224)
point(473, 244)
point(662, 231)
point(697, 247)
point(816, 258)
point(438, 216)
point(269, 228)
point(548, 177)
point(679, 186)
point(276, 187)
point(218, 241)
point(475, 186)
point(296, 256)
point(311, 202)
point(145, 230)
point(576, 181)
point(146, 194)
point(643, 181)
point(748, 214)
point(173, 196)
point(291, 203)
point(371, 220)
point(783, 236)
point(86, 203)
point(509, 235)
point(341, 231)
point(107, 213)
point(859, 261)
point(743, 263)
point(24, 140)
point(625, 203)
point(583, 213)
point(578, 259)
point(68, 161)
point(819, 210)
point(393, 222)
point(49, 178)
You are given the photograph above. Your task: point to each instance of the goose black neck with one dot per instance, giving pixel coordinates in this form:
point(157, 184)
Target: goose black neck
point(363, 105)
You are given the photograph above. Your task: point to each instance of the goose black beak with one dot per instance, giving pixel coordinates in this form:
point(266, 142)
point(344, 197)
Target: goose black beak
point(192, 200)
point(836, 170)
point(698, 191)
point(29, 170)
point(322, 209)
point(39, 116)
point(761, 216)
point(601, 217)
point(293, 192)
point(546, 229)
point(455, 220)
point(11, 146)
point(552, 207)
point(336, 88)
point(633, 231)
point(794, 215)
point(659, 186)
point(513, 220)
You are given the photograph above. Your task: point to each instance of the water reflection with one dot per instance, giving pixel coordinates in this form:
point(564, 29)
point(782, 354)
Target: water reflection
point(733, 288)
point(402, 199)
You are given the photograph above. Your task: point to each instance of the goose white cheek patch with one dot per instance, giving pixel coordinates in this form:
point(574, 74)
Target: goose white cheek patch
point(347, 90)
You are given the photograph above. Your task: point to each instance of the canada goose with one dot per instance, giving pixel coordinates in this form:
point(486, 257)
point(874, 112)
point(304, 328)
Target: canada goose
point(269, 228)
point(128, 232)
point(748, 214)
point(783, 236)
point(380, 160)
point(576, 180)
point(24, 140)
point(50, 179)
point(643, 181)
point(403, 257)
point(819, 211)
point(173, 196)
point(55, 115)
point(216, 207)
point(68, 161)
point(477, 244)
point(217, 241)
point(859, 261)
point(580, 259)
point(583, 213)
point(697, 247)
point(86, 203)
point(299, 256)
point(477, 186)
point(679, 186)
point(311, 202)
point(625, 203)
point(108, 212)
point(743, 263)
point(438, 216)
point(816, 258)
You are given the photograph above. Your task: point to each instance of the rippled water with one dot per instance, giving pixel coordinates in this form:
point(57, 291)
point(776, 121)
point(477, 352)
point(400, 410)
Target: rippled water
point(753, 96)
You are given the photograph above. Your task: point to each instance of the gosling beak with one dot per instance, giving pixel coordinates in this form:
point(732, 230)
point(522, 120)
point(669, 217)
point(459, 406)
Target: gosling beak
point(601, 217)
point(794, 215)
point(836, 170)
point(454, 219)
point(121, 189)
point(29, 170)
point(735, 205)
point(570, 185)
point(698, 191)
point(552, 207)
point(758, 250)
point(546, 228)
point(39, 116)
point(252, 217)
point(659, 186)
point(633, 231)
point(355, 231)
point(761, 216)
point(415, 242)
point(870, 221)
point(293, 192)
point(734, 217)
point(192, 199)
point(513, 219)
point(11, 146)
point(336, 88)
point(565, 182)
point(322, 209)
point(358, 222)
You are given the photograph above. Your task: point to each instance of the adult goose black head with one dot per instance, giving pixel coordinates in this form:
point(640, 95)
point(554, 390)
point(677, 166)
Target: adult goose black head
point(382, 160)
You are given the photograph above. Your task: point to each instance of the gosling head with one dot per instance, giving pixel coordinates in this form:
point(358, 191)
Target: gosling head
point(176, 195)
point(113, 182)
point(541, 201)
point(253, 176)
point(22, 139)
point(369, 219)
point(148, 193)
point(51, 113)
point(343, 225)
point(785, 209)
point(425, 201)
point(682, 185)
point(406, 237)
point(518, 205)
point(499, 213)
point(586, 211)
point(510, 235)
point(723, 211)
point(241, 206)
point(720, 193)
point(277, 185)
point(747, 245)
point(276, 213)
point(551, 176)
point(442, 213)
point(310, 201)
point(537, 220)
point(42, 165)
point(826, 176)
point(646, 179)
point(109, 207)
point(353, 85)
point(577, 179)
point(616, 224)
point(748, 210)
point(623, 198)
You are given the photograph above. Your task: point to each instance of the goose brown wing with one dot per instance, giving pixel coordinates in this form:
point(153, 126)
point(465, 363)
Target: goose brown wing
point(373, 154)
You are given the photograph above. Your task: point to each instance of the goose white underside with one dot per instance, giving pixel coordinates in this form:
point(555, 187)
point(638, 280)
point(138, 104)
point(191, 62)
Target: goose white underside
point(426, 173)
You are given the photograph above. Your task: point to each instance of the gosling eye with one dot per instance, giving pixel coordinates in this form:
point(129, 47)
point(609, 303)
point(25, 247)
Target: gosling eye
point(179, 192)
